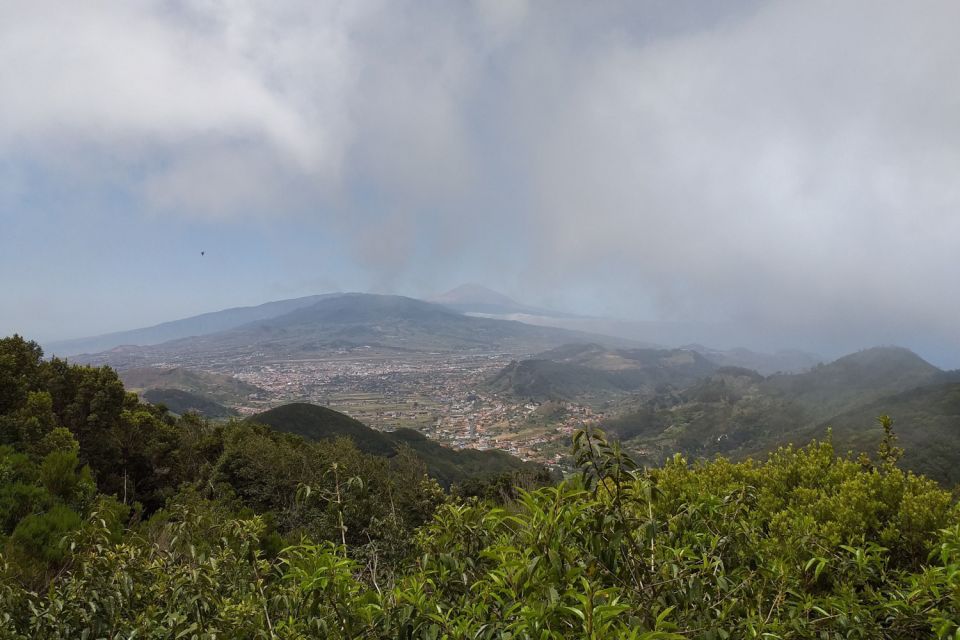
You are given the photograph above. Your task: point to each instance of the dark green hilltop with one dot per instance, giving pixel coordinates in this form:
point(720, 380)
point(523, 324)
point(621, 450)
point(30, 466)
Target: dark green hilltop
point(180, 402)
point(447, 465)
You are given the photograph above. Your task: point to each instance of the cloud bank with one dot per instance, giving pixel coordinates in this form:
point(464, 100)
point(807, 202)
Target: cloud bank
point(792, 167)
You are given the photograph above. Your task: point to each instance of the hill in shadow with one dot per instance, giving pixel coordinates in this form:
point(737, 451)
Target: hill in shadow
point(447, 465)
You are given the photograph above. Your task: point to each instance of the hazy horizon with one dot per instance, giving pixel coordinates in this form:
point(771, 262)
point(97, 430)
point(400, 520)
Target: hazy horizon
point(783, 172)
point(721, 336)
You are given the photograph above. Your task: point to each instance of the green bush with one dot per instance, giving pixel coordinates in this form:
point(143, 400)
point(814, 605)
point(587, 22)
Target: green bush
point(41, 536)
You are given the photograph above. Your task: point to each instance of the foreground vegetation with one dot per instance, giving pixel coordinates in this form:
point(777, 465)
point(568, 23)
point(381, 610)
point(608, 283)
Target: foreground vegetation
point(122, 521)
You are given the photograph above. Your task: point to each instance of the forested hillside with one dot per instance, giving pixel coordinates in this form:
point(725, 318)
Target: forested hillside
point(223, 389)
point(738, 413)
point(446, 465)
point(180, 402)
point(120, 520)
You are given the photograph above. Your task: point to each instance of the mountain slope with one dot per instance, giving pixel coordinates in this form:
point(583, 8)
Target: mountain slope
point(220, 388)
point(926, 421)
point(784, 361)
point(180, 402)
point(737, 413)
point(854, 379)
point(724, 413)
point(538, 379)
point(193, 326)
point(316, 423)
point(391, 322)
point(351, 322)
point(447, 465)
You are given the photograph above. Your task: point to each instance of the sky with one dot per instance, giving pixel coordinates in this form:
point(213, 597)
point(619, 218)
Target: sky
point(791, 169)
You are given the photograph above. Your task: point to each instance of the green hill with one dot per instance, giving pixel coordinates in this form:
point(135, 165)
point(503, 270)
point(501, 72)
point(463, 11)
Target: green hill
point(726, 413)
point(180, 402)
point(927, 423)
point(549, 380)
point(685, 363)
point(447, 465)
point(738, 413)
point(223, 389)
point(591, 371)
point(852, 380)
point(316, 423)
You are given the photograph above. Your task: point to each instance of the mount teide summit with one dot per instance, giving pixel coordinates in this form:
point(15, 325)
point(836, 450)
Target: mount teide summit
point(476, 299)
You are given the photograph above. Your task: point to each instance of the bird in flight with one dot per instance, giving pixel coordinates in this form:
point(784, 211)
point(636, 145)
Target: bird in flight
point(203, 252)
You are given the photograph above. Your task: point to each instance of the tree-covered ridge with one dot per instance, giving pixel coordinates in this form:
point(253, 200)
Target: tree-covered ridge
point(446, 465)
point(180, 402)
point(238, 531)
point(738, 413)
point(224, 389)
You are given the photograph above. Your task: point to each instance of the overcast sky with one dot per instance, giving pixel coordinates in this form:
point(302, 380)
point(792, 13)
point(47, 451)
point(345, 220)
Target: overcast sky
point(790, 167)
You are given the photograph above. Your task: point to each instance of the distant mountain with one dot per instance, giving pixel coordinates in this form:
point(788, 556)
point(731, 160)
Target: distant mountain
point(765, 363)
point(592, 371)
point(200, 325)
point(447, 465)
point(685, 362)
point(477, 299)
point(472, 293)
point(662, 334)
point(180, 402)
point(784, 361)
point(350, 322)
point(219, 388)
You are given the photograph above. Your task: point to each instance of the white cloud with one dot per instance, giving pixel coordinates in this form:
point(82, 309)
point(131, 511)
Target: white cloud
point(142, 80)
point(795, 165)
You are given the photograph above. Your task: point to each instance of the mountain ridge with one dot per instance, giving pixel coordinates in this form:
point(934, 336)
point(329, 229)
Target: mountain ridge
point(738, 414)
point(202, 324)
point(355, 321)
point(220, 388)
